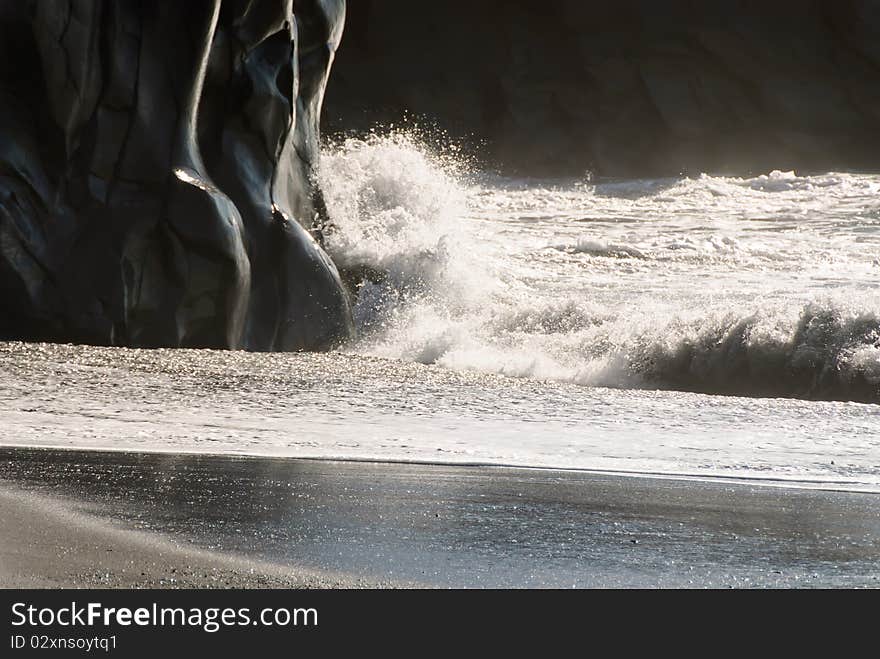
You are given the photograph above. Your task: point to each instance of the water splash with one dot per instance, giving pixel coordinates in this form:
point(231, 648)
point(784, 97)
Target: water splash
point(761, 286)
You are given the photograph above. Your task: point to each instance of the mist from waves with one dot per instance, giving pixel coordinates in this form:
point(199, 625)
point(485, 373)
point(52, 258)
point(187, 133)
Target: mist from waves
point(763, 286)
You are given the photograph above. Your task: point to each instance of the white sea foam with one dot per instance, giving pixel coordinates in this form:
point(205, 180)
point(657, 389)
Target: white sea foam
point(754, 286)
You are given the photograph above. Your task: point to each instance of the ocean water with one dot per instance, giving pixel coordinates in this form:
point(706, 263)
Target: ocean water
point(709, 327)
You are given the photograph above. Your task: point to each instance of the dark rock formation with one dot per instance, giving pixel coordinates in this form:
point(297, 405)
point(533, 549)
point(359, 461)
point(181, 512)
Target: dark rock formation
point(623, 87)
point(155, 173)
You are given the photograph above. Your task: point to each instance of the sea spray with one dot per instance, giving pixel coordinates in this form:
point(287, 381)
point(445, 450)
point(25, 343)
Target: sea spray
point(757, 287)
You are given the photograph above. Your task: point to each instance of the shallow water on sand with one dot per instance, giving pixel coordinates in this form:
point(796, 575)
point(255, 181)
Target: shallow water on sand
point(357, 407)
point(447, 526)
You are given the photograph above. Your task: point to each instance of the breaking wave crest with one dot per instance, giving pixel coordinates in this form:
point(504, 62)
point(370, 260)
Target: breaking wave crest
point(713, 284)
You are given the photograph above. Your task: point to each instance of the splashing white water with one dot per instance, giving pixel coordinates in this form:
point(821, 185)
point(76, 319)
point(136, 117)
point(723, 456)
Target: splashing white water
point(761, 286)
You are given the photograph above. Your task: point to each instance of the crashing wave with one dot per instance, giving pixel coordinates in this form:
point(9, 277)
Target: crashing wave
point(456, 272)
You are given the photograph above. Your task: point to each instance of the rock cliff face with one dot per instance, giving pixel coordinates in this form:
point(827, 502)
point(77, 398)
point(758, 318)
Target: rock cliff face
point(156, 158)
point(629, 87)
point(155, 173)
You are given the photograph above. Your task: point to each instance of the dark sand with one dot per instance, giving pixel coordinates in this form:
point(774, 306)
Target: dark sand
point(78, 518)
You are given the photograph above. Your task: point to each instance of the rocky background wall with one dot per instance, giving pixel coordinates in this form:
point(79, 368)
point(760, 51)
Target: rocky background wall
point(155, 173)
point(624, 88)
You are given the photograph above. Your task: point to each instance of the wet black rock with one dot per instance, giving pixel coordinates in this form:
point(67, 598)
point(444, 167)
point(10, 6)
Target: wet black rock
point(623, 87)
point(156, 173)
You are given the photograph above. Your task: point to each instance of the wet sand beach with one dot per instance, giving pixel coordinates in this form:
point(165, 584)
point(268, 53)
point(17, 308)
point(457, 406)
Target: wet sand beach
point(115, 519)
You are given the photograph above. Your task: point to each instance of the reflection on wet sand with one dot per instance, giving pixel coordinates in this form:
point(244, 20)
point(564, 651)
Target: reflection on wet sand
point(471, 526)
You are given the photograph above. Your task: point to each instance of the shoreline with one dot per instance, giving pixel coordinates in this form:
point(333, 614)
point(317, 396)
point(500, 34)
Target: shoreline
point(817, 485)
point(336, 407)
point(119, 520)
